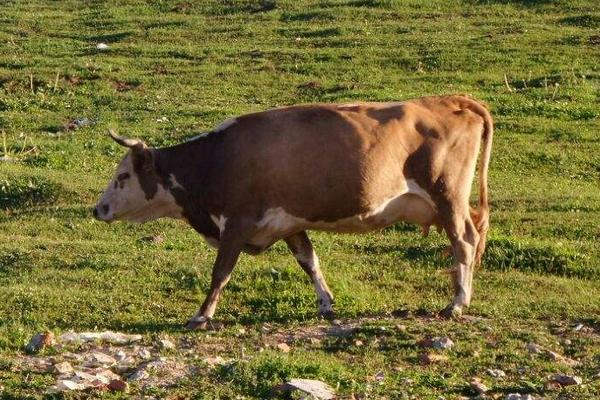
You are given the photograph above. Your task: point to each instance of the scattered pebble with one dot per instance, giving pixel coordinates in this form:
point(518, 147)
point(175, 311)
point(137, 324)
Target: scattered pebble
point(62, 368)
point(144, 354)
point(534, 348)
point(138, 375)
point(560, 358)
point(283, 347)
point(314, 388)
point(153, 239)
point(120, 355)
point(97, 359)
point(496, 373)
point(106, 336)
point(566, 380)
point(40, 341)
point(379, 377)
point(517, 396)
point(166, 344)
point(440, 343)
point(102, 46)
point(432, 358)
point(118, 385)
point(65, 384)
point(478, 387)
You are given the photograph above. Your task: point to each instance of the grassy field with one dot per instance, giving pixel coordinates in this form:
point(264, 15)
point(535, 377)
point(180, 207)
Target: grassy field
point(174, 69)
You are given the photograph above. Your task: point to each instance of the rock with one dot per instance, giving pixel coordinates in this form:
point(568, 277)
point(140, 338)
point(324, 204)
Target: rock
point(316, 389)
point(118, 385)
point(97, 359)
point(432, 358)
point(517, 396)
point(66, 384)
point(166, 344)
point(212, 361)
point(102, 46)
point(578, 327)
point(566, 342)
point(478, 387)
point(153, 239)
point(534, 348)
point(283, 347)
point(106, 336)
point(62, 368)
point(552, 385)
point(566, 380)
point(138, 375)
point(440, 343)
point(104, 375)
point(496, 373)
point(40, 341)
point(379, 377)
point(120, 355)
point(559, 358)
point(144, 354)
point(340, 331)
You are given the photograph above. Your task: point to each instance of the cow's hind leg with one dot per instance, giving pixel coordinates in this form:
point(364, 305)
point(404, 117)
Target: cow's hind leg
point(302, 248)
point(464, 239)
point(230, 247)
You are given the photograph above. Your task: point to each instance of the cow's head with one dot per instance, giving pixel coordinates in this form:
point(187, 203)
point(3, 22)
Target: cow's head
point(135, 193)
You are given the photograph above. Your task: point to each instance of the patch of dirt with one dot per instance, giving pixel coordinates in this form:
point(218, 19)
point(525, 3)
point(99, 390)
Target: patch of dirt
point(123, 86)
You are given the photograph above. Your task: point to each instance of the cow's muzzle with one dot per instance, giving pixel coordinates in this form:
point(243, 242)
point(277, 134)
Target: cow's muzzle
point(102, 212)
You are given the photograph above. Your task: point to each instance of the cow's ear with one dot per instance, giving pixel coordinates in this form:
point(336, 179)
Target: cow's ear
point(142, 157)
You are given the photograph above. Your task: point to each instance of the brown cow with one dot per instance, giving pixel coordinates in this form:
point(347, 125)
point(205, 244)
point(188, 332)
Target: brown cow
point(274, 175)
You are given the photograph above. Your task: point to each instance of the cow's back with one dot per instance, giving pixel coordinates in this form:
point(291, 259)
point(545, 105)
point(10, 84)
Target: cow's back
point(328, 162)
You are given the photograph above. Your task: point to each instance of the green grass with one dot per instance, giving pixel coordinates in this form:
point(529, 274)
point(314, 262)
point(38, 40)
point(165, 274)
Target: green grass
point(174, 69)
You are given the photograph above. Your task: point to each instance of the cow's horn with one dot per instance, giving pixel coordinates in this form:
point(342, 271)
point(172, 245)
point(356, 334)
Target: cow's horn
point(124, 141)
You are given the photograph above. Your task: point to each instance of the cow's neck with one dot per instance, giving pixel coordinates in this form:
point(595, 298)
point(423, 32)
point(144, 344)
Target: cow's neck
point(186, 171)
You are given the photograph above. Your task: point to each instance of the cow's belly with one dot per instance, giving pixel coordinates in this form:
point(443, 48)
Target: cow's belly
point(410, 206)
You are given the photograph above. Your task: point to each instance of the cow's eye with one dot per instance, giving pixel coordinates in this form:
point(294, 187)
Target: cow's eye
point(123, 176)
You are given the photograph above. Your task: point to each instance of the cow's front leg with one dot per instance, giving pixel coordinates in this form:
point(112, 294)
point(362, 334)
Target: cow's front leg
point(303, 251)
point(231, 244)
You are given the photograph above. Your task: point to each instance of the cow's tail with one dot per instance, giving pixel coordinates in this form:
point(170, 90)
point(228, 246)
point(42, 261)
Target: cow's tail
point(481, 216)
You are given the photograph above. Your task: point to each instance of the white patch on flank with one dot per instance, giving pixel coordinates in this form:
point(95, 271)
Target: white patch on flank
point(220, 222)
point(411, 203)
point(414, 188)
point(174, 182)
point(225, 124)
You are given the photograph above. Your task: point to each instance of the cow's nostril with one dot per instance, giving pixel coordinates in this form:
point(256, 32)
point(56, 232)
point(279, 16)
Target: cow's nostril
point(95, 212)
point(105, 208)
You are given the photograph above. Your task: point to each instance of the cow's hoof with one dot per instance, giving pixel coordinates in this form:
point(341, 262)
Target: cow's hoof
point(452, 311)
point(198, 323)
point(329, 315)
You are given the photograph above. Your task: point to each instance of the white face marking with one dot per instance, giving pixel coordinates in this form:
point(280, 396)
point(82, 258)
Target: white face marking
point(124, 199)
point(220, 222)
